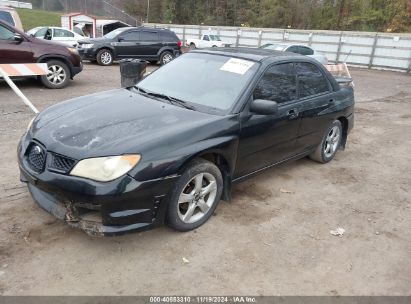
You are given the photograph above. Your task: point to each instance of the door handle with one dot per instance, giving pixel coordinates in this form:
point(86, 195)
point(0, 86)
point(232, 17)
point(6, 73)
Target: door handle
point(292, 114)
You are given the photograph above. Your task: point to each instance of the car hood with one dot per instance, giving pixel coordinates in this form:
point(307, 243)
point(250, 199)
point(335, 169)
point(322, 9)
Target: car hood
point(116, 122)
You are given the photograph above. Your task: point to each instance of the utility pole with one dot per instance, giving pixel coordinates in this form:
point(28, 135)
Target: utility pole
point(148, 9)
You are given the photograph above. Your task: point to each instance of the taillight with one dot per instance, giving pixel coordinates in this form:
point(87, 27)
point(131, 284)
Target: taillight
point(179, 43)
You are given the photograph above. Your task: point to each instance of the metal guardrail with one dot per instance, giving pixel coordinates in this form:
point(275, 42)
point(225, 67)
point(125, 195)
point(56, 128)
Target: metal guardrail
point(390, 51)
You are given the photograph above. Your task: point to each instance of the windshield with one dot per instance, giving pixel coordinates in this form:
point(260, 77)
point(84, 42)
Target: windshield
point(114, 33)
point(6, 16)
point(275, 47)
point(33, 31)
point(215, 38)
point(206, 81)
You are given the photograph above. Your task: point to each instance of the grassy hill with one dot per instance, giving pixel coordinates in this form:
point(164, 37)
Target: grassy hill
point(32, 18)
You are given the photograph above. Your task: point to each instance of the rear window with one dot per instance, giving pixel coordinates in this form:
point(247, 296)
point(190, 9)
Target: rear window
point(6, 16)
point(168, 36)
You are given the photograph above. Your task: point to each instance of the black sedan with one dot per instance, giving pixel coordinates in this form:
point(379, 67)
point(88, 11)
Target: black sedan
point(168, 149)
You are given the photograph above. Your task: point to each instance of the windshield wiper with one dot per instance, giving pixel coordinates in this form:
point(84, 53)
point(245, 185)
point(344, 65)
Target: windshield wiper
point(171, 100)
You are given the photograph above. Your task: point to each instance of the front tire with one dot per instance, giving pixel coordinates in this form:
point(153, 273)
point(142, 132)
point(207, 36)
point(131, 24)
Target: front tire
point(58, 75)
point(195, 196)
point(329, 145)
point(105, 57)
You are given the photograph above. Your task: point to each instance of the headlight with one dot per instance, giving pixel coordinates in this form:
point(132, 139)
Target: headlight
point(87, 45)
point(30, 123)
point(72, 50)
point(105, 169)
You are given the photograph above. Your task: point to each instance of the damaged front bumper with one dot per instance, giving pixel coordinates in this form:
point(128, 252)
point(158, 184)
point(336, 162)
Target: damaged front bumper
point(100, 209)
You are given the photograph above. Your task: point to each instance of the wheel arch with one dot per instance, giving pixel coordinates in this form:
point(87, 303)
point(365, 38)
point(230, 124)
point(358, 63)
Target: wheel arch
point(46, 58)
point(222, 164)
point(165, 49)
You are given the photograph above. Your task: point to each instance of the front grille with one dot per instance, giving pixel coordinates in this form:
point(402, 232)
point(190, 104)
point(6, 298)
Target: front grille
point(36, 157)
point(61, 163)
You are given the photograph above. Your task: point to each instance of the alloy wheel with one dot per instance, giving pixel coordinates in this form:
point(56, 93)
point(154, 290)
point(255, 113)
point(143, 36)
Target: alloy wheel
point(106, 58)
point(167, 58)
point(331, 141)
point(56, 74)
point(197, 198)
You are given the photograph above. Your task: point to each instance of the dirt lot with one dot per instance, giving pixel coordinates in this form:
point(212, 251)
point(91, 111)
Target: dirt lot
point(266, 242)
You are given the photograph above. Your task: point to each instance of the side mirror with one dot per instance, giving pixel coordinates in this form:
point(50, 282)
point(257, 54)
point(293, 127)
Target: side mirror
point(264, 107)
point(18, 38)
point(121, 38)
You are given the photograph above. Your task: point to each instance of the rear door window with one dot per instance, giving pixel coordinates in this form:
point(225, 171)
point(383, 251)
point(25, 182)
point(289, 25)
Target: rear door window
point(131, 36)
point(304, 50)
point(62, 33)
point(311, 80)
point(149, 36)
point(7, 17)
point(293, 49)
point(278, 84)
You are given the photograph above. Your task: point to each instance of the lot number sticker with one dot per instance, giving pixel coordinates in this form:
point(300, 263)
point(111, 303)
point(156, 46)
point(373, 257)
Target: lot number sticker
point(238, 66)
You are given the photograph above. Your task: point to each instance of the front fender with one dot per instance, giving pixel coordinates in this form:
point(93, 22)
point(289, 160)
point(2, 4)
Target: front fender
point(175, 162)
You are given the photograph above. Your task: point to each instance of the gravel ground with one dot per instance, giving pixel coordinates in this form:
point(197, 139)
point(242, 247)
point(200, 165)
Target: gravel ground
point(268, 241)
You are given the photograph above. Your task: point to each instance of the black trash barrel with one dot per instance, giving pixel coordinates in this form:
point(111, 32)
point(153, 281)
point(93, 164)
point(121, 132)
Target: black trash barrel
point(132, 71)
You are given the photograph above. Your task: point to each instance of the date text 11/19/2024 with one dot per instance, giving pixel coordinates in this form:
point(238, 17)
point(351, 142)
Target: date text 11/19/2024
point(203, 299)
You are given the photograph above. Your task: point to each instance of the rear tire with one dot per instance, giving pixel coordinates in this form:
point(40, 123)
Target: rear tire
point(192, 46)
point(105, 57)
point(166, 57)
point(58, 75)
point(329, 145)
point(195, 196)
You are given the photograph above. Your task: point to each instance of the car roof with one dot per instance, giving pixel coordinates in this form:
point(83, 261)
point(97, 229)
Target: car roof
point(254, 54)
point(150, 28)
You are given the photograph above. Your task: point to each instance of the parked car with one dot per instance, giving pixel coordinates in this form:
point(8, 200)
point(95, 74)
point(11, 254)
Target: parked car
point(63, 62)
point(58, 34)
point(206, 41)
point(10, 16)
point(298, 49)
point(151, 44)
point(167, 149)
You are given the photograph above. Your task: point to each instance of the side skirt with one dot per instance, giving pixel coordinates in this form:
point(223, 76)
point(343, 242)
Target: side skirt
point(248, 175)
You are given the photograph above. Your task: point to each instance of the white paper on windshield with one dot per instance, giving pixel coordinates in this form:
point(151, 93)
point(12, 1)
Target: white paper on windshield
point(238, 66)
